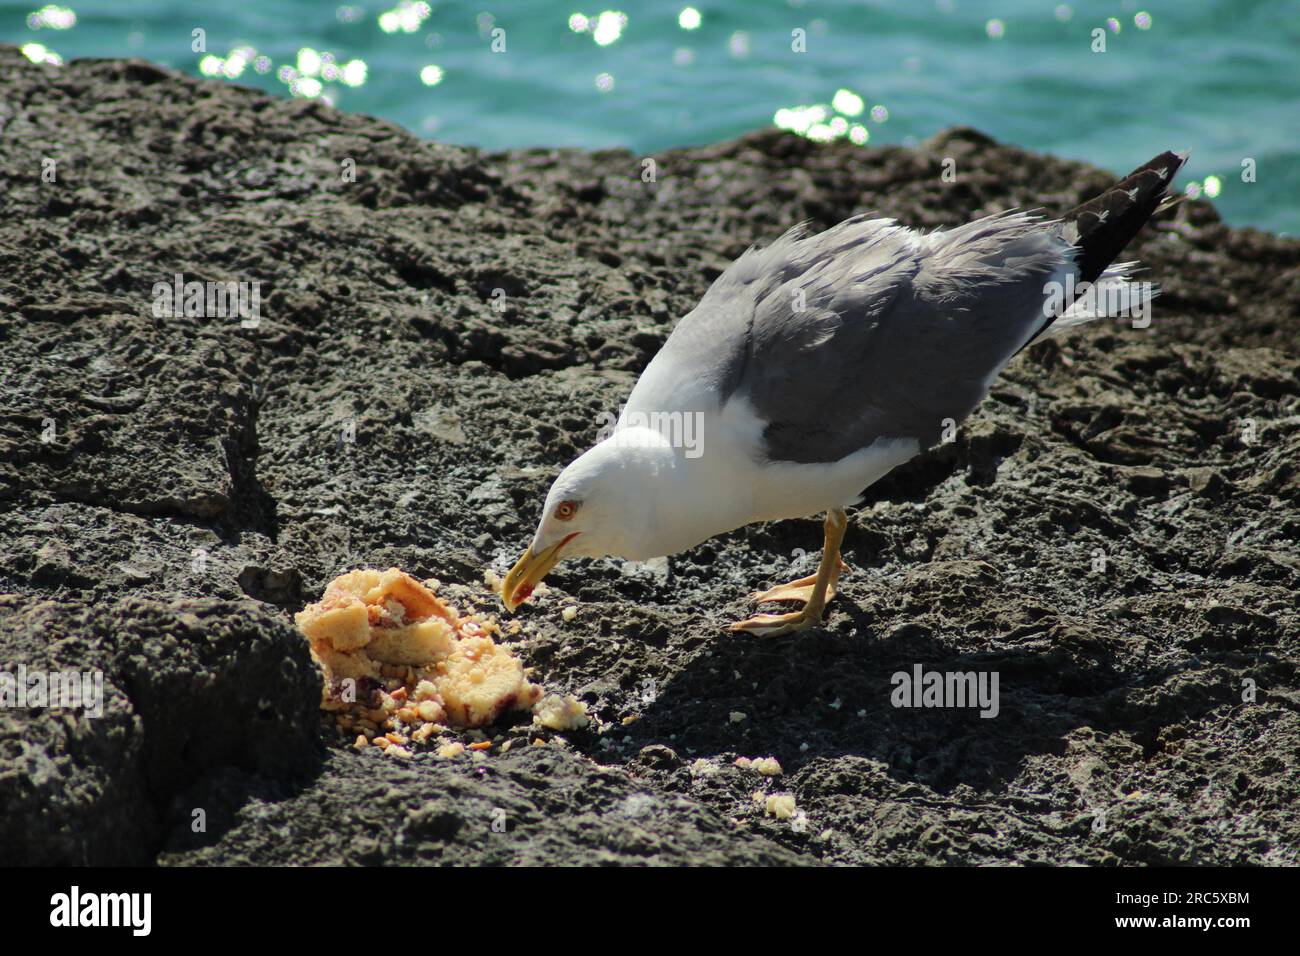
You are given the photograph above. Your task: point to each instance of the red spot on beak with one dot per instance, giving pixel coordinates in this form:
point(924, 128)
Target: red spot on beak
point(523, 594)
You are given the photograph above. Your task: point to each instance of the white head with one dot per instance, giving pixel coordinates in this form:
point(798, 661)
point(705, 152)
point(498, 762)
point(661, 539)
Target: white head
point(607, 502)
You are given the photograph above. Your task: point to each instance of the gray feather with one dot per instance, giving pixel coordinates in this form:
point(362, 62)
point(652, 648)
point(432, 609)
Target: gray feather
point(868, 330)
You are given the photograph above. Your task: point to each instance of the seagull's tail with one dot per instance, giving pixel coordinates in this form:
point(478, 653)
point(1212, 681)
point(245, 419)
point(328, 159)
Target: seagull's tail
point(1103, 226)
point(1099, 230)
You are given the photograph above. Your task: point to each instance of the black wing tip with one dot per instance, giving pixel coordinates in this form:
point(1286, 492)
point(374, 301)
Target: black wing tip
point(1166, 165)
point(1108, 222)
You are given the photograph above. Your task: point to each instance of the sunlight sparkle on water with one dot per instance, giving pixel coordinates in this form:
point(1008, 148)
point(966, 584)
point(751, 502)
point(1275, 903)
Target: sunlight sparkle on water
point(309, 61)
point(354, 72)
point(609, 27)
point(52, 17)
point(406, 16)
point(847, 102)
point(39, 53)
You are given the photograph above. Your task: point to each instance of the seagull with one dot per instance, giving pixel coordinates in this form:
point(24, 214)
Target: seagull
point(814, 366)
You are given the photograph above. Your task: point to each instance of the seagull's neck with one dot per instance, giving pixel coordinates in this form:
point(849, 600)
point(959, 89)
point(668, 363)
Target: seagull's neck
point(690, 496)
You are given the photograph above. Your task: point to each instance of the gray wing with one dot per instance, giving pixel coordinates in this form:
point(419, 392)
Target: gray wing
point(870, 330)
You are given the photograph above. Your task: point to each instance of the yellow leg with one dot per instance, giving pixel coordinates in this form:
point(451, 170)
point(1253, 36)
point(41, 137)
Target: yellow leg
point(814, 591)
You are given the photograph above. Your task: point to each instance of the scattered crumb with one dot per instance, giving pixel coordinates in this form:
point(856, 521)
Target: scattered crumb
point(569, 613)
point(767, 766)
point(702, 768)
point(556, 713)
point(452, 750)
point(780, 805)
point(631, 719)
point(738, 716)
point(481, 745)
point(423, 733)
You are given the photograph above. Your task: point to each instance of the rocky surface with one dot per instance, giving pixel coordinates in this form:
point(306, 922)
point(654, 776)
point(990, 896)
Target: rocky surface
point(1113, 533)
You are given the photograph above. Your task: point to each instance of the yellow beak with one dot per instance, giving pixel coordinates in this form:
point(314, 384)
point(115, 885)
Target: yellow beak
point(527, 574)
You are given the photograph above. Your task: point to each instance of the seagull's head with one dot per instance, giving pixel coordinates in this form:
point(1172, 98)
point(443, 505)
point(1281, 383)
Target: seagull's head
point(604, 503)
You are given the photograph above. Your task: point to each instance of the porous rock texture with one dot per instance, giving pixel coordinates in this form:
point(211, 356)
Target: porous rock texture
point(1113, 533)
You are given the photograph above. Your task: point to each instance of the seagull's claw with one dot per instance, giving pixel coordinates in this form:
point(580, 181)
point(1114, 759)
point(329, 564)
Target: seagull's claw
point(814, 591)
point(774, 625)
point(801, 590)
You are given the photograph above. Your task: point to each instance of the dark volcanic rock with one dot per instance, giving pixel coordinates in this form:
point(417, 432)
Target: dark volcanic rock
point(189, 686)
point(1113, 533)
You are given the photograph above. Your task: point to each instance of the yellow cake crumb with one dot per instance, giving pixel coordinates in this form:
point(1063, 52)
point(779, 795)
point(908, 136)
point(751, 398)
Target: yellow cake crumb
point(767, 766)
point(780, 805)
point(560, 713)
point(452, 750)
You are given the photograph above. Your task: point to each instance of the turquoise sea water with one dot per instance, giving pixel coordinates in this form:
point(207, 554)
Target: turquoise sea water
point(1219, 78)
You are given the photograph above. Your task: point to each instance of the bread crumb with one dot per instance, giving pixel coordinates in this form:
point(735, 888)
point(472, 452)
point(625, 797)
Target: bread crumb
point(767, 766)
point(569, 613)
point(780, 805)
point(452, 750)
point(423, 733)
point(556, 713)
point(738, 716)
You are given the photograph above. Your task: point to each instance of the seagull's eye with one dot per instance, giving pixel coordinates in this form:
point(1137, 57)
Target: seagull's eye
point(566, 510)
